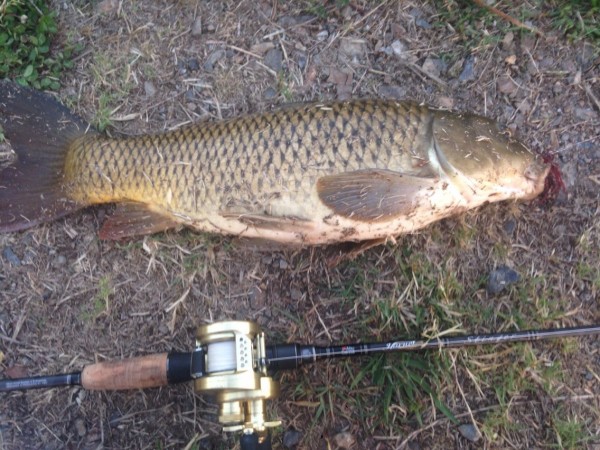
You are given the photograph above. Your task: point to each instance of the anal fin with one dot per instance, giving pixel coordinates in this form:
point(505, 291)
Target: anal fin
point(134, 219)
point(371, 195)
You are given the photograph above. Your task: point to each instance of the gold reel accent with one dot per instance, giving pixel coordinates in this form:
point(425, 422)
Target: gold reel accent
point(236, 373)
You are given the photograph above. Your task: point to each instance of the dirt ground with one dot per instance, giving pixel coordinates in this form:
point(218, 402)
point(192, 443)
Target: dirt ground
point(68, 299)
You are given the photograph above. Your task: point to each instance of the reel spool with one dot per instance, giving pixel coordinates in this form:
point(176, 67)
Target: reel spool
point(236, 372)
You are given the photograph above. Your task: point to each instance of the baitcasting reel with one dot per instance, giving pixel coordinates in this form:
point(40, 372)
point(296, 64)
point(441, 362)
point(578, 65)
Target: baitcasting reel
point(235, 370)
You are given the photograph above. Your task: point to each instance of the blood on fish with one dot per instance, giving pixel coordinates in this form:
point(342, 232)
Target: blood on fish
point(554, 181)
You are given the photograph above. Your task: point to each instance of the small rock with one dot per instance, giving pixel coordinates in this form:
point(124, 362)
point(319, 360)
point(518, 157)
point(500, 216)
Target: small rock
point(211, 28)
point(16, 371)
point(506, 85)
point(80, 427)
point(392, 92)
point(417, 14)
point(262, 47)
point(433, 66)
point(353, 47)
point(10, 256)
point(197, 27)
point(524, 107)
point(270, 93)
point(468, 72)
point(508, 40)
point(212, 59)
point(287, 21)
point(283, 264)
point(399, 49)
point(107, 6)
point(193, 64)
point(301, 60)
point(585, 113)
point(344, 439)
point(422, 23)
point(291, 438)
point(469, 432)
point(190, 95)
point(500, 278)
point(60, 260)
point(181, 68)
point(322, 35)
point(589, 376)
point(149, 89)
point(569, 173)
point(445, 102)
point(558, 88)
point(296, 294)
point(510, 226)
point(274, 59)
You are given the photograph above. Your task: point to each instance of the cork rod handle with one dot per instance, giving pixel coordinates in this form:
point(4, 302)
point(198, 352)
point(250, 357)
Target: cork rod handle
point(134, 373)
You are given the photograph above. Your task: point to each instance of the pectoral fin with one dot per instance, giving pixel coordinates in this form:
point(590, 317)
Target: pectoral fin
point(134, 219)
point(371, 195)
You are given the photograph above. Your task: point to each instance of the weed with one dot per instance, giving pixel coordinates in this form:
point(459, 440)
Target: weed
point(570, 432)
point(26, 32)
point(100, 304)
point(578, 19)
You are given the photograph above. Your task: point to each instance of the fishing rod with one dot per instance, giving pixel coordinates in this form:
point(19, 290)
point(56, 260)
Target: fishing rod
point(232, 361)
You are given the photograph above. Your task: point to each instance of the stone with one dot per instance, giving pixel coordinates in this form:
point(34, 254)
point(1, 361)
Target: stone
point(291, 438)
point(322, 35)
point(506, 85)
point(353, 47)
point(274, 59)
point(10, 256)
point(270, 93)
point(344, 440)
point(468, 71)
point(501, 278)
point(433, 66)
point(212, 59)
point(392, 92)
point(149, 89)
point(197, 27)
point(469, 432)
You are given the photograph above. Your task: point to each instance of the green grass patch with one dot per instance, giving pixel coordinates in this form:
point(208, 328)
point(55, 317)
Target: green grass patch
point(27, 29)
point(578, 19)
point(100, 303)
point(570, 432)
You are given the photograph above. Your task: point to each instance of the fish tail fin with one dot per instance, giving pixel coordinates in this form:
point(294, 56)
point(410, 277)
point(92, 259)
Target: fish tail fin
point(40, 131)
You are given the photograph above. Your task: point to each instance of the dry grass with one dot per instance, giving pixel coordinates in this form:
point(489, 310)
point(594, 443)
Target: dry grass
point(107, 300)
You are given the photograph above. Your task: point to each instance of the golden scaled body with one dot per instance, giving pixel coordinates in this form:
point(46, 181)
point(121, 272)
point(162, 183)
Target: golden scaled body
point(308, 174)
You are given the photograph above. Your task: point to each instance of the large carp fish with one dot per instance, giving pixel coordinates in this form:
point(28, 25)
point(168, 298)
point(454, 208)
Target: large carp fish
point(307, 174)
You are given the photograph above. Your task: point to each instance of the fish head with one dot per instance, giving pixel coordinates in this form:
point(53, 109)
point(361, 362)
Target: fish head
point(478, 157)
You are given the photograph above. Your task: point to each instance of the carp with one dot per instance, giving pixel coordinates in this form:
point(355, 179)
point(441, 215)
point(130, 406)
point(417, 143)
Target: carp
point(307, 174)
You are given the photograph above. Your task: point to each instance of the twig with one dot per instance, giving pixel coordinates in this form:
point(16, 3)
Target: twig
point(515, 22)
point(592, 96)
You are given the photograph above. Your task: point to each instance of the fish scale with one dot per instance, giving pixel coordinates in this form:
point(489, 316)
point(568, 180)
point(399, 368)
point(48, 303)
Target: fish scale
point(307, 174)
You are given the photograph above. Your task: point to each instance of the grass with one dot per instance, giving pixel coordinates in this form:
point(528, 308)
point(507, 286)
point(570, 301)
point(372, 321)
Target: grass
point(479, 28)
point(100, 303)
point(27, 30)
point(112, 78)
point(578, 19)
point(570, 432)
